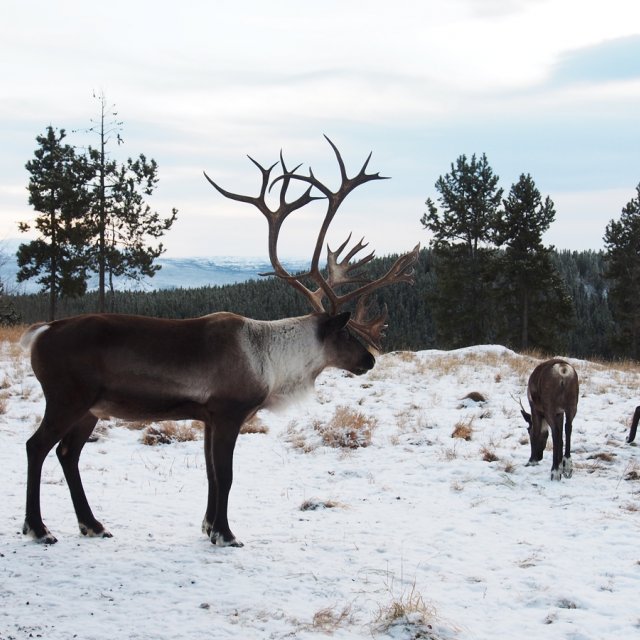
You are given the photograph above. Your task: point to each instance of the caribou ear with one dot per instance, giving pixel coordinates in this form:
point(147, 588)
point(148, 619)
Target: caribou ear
point(333, 324)
point(526, 416)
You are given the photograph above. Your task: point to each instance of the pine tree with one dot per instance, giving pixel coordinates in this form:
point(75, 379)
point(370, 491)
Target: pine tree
point(123, 223)
point(463, 253)
point(535, 307)
point(58, 191)
point(622, 255)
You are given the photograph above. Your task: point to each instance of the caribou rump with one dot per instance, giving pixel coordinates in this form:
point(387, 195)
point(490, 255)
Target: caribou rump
point(553, 394)
point(219, 369)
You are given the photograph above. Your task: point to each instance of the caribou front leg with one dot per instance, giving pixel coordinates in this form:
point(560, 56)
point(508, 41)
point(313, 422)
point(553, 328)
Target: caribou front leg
point(220, 440)
point(556, 471)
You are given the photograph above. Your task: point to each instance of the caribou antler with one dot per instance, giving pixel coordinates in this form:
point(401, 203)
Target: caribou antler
point(340, 272)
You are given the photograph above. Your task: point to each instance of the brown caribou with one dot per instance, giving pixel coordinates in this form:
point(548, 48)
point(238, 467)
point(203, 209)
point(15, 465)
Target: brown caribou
point(553, 393)
point(219, 369)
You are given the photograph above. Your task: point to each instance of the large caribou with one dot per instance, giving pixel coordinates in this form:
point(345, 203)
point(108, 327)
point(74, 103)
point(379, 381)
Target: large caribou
point(220, 368)
point(553, 393)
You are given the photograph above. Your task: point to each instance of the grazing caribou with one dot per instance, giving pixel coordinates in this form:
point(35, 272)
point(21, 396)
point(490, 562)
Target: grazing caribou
point(634, 425)
point(220, 368)
point(553, 393)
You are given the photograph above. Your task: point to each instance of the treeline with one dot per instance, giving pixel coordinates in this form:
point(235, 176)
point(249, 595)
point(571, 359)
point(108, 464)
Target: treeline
point(591, 328)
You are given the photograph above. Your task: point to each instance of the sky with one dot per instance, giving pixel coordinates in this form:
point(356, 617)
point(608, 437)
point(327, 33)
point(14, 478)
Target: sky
point(545, 87)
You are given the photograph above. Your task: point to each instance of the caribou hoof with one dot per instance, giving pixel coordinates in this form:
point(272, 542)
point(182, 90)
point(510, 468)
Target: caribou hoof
point(567, 467)
point(46, 537)
point(94, 532)
point(207, 527)
point(532, 463)
point(220, 540)
point(556, 474)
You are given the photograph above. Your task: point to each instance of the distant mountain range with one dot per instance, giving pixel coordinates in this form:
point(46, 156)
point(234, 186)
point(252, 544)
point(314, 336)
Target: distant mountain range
point(175, 273)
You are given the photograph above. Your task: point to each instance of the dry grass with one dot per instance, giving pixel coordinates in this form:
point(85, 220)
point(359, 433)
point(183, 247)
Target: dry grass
point(347, 429)
point(313, 504)
point(254, 425)
point(408, 610)
point(171, 431)
point(11, 334)
point(297, 439)
point(330, 619)
point(475, 396)
point(463, 429)
point(488, 454)
point(605, 456)
point(509, 467)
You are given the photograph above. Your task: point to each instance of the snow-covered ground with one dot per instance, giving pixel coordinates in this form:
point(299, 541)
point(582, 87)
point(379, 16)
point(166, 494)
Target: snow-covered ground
point(418, 535)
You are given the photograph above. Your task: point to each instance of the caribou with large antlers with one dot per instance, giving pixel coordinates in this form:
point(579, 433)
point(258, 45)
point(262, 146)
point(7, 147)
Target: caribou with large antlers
point(220, 368)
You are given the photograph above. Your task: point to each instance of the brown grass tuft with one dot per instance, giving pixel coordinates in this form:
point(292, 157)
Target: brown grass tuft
point(410, 610)
point(169, 431)
point(475, 396)
point(313, 504)
point(347, 429)
point(329, 619)
point(254, 425)
point(605, 456)
point(488, 454)
point(463, 430)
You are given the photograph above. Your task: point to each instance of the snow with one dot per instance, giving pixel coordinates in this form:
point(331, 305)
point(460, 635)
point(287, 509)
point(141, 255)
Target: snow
point(417, 522)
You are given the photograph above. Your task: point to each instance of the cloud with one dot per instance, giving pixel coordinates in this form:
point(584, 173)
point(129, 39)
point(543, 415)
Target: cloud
point(613, 60)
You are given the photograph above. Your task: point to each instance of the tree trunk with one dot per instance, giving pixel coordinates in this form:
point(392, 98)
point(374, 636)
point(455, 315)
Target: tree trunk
point(53, 265)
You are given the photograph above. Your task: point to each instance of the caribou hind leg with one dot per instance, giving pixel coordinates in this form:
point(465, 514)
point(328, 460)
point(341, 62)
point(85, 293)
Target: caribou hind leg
point(68, 453)
point(567, 463)
point(634, 425)
point(38, 446)
point(67, 416)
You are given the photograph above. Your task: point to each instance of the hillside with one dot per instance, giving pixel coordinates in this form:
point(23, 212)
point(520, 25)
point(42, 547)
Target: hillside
point(416, 535)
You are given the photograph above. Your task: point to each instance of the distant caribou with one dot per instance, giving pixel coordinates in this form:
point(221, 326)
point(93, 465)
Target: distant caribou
point(219, 369)
point(553, 394)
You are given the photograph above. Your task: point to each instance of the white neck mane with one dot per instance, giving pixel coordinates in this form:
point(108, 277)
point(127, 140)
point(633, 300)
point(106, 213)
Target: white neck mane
point(286, 354)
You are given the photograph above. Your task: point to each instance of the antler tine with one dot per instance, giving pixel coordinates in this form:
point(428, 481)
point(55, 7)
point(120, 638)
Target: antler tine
point(343, 272)
point(275, 218)
point(339, 271)
point(401, 271)
point(371, 330)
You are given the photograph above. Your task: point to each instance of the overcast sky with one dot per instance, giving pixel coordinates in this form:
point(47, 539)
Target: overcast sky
point(546, 87)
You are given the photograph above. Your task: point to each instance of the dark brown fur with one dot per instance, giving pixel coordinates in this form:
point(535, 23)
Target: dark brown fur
point(553, 394)
point(219, 369)
point(634, 425)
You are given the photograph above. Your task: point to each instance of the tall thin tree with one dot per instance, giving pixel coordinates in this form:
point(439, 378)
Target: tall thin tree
point(463, 250)
point(58, 191)
point(124, 225)
point(536, 308)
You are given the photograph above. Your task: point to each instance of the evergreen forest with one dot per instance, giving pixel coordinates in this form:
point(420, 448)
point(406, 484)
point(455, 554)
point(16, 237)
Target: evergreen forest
point(589, 331)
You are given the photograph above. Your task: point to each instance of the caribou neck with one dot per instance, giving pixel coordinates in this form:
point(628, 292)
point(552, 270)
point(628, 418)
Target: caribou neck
point(287, 354)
